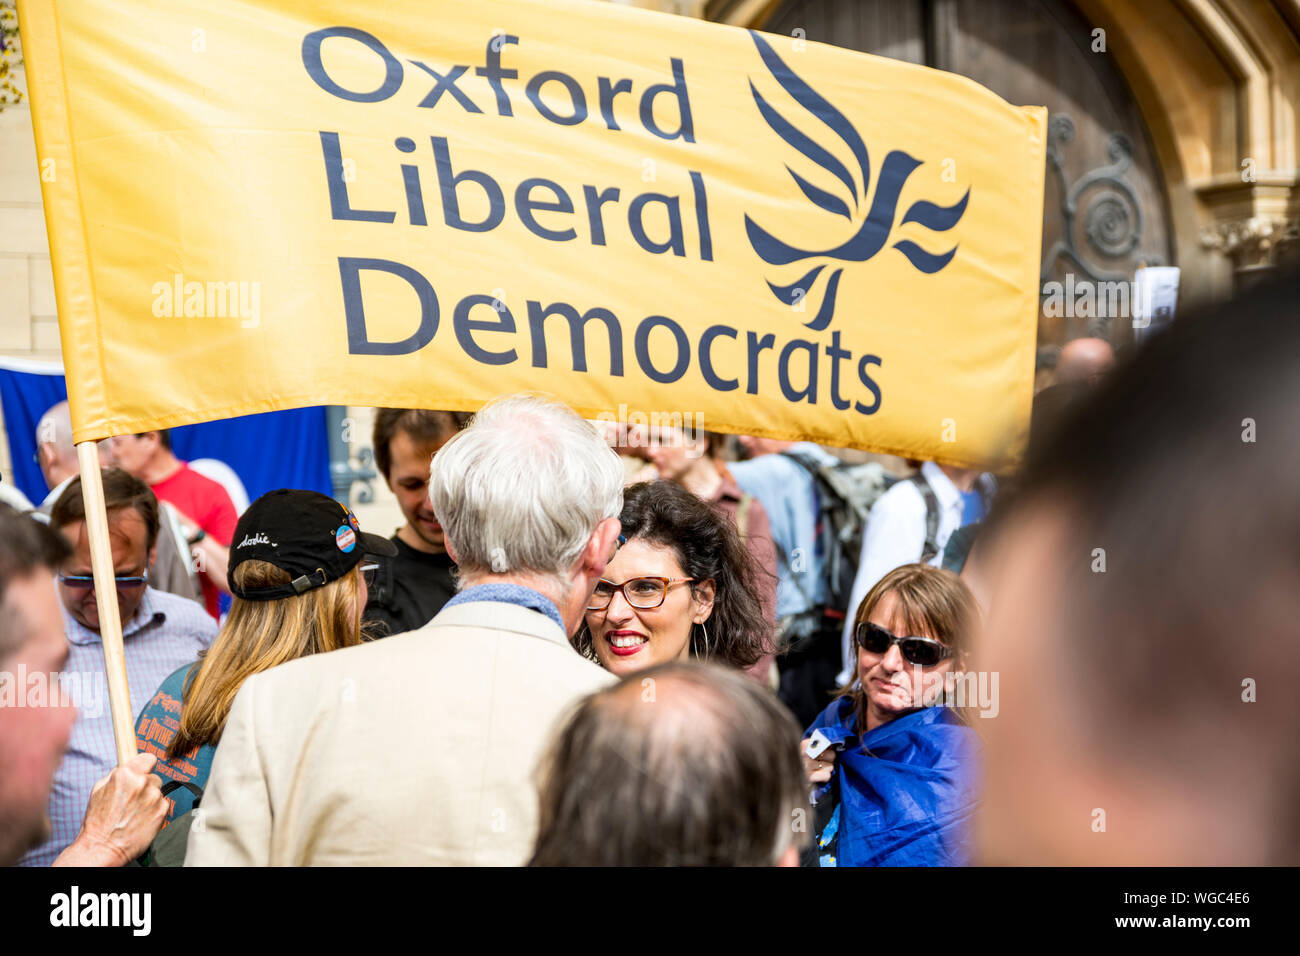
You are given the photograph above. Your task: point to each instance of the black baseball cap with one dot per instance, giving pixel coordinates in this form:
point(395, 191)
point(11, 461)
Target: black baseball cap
point(305, 533)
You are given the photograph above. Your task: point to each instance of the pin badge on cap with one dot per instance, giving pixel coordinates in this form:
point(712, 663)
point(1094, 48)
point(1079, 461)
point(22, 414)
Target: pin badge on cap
point(345, 538)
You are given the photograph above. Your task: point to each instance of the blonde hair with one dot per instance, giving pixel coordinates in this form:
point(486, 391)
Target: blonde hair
point(257, 636)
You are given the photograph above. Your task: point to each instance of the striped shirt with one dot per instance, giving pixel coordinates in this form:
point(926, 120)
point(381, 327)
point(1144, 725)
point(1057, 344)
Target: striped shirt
point(165, 633)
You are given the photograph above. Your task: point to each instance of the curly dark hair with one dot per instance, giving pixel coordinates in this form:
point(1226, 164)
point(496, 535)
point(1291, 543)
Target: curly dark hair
point(707, 545)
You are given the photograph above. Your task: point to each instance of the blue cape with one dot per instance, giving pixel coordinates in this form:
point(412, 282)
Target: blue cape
point(911, 800)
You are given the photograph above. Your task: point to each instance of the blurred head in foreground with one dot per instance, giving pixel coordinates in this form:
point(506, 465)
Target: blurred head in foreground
point(32, 738)
point(1145, 590)
point(681, 764)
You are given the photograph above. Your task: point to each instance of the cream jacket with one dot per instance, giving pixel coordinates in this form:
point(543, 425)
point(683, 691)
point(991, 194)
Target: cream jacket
point(417, 749)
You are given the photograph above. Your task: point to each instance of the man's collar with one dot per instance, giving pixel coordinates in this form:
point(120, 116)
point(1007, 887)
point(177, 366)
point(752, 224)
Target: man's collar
point(168, 471)
point(944, 489)
point(56, 491)
point(147, 614)
point(509, 592)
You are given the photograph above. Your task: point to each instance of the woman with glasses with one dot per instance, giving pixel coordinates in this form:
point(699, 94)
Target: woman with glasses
point(697, 464)
point(298, 576)
point(892, 760)
point(681, 585)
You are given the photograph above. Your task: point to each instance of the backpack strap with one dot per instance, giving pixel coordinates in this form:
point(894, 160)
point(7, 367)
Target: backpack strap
point(172, 844)
point(193, 788)
point(825, 498)
point(742, 514)
point(838, 553)
point(381, 590)
point(807, 464)
point(793, 576)
point(792, 573)
point(931, 546)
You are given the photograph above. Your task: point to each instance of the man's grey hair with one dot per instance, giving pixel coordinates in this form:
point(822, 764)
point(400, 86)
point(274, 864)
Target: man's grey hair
point(522, 488)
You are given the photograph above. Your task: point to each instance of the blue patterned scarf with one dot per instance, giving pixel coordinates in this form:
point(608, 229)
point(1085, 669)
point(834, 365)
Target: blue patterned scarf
point(508, 593)
point(911, 801)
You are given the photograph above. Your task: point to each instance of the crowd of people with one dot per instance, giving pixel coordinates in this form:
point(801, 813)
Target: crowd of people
point(578, 654)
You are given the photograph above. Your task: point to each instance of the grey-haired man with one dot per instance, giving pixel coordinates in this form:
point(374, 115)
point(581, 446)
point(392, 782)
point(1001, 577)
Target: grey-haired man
point(420, 749)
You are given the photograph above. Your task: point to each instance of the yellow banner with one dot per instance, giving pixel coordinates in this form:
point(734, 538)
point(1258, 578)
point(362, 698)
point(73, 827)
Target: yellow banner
point(265, 205)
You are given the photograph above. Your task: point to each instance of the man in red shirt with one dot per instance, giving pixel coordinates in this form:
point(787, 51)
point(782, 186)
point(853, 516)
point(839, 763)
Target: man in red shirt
point(207, 514)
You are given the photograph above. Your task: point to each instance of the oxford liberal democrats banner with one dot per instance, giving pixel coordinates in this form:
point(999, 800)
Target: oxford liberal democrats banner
point(270, 204)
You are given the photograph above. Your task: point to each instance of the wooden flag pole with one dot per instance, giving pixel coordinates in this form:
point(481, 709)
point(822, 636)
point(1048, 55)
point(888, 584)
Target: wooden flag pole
point(110, 623)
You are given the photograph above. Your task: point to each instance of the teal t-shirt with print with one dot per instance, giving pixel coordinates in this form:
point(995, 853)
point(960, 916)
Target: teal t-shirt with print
point(157, 725)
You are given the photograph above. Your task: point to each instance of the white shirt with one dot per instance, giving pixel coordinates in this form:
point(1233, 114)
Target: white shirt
point(894, 536)
point(43, 512)
point(14, 498)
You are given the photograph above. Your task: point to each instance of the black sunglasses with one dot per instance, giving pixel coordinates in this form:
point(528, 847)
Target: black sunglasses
point(925, 651)
point(86, 581)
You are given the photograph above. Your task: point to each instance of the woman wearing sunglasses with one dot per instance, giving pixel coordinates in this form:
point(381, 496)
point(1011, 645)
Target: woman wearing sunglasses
point(893, 769)
point(298, 575)
point(681, 585)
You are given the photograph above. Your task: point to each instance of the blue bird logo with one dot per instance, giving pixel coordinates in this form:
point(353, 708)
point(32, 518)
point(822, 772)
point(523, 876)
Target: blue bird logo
point(875, 228)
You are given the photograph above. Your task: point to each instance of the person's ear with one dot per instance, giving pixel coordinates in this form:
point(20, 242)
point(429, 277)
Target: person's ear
point(451, 551)
point(600, 547)
point(151, 556)
point(47, 455)
point(703, 592)
point(790, 857)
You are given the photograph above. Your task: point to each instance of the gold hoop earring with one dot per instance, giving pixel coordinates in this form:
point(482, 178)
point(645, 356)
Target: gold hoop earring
point(708, 650)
